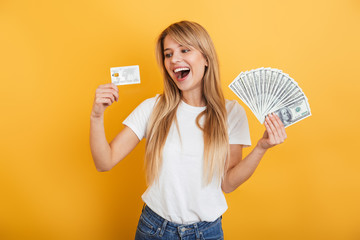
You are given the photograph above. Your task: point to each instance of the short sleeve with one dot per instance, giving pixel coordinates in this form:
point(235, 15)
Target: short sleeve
point(238, 126)
point(138, 119)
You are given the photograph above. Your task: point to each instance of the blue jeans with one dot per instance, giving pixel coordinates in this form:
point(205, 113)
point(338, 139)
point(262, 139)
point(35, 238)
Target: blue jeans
point(152, 226)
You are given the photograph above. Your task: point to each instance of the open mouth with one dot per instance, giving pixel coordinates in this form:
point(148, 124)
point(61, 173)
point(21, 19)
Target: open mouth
point(181, 73)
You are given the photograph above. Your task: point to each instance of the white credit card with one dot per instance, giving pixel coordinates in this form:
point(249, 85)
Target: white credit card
point(125, 75)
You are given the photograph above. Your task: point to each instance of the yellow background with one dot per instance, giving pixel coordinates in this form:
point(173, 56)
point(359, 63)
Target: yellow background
point(54, 54)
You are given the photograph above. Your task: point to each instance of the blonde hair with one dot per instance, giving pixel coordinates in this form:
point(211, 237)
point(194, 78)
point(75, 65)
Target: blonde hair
point(216, 140)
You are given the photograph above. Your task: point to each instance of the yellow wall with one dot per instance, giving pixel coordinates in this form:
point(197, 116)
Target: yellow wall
point(53, 55)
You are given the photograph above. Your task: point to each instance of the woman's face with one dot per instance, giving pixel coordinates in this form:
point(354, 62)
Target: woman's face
point(186, 66)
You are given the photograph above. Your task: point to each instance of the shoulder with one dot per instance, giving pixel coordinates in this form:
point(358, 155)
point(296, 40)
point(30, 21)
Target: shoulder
point(234, 108)
point(145, 108)
point(149, 103)
point(238, 125)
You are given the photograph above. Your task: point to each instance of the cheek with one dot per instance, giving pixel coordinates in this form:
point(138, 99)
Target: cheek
point(201, 66)
point(201, 63)
point(166, 65)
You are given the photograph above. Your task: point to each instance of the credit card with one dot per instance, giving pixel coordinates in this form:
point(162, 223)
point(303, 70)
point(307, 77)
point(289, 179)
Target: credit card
point(125, 75)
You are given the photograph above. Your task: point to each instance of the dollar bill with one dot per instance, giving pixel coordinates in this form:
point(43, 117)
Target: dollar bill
point(294, 112)
point(268, 90)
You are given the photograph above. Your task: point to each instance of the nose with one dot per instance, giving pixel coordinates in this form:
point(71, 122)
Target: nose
point(176, 57)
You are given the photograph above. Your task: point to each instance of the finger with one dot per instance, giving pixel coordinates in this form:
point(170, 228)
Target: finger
point(106, 95)
point(114, 87)
point(115, 90)
point(266, 134)
point(276, 125)
point(109, 85)
point(273, 130)
point(105, 101)
point(269, 130)
point(279, 127)
point(282, 127)
point(111, 91)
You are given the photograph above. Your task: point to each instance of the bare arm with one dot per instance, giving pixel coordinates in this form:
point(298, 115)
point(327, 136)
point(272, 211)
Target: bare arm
point(100, 149)
point(239, 170)
point(106, 155)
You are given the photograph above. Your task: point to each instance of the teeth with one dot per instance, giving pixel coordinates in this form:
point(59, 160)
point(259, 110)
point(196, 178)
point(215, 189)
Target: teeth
point(180, 69)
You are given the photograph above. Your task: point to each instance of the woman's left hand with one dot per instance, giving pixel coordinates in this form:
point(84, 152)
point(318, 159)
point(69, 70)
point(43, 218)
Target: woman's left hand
point(274, 133)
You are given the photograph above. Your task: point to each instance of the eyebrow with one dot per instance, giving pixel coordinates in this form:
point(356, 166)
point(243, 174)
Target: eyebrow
point(170, 48)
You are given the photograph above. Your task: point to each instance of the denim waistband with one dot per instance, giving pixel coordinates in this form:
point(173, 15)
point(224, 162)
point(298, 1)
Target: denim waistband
point(182, 229)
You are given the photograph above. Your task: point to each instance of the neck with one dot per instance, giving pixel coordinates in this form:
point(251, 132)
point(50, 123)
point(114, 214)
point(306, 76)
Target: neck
point(193, 99)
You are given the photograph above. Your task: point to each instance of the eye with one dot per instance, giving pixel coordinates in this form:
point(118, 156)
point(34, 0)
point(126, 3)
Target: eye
point(185, 50)
point(167, 55)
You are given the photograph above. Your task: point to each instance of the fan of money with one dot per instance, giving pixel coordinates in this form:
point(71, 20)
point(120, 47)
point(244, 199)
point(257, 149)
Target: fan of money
point(269, 90)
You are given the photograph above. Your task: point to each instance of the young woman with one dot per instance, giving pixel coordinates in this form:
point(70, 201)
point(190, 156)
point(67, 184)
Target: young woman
point(194, 140)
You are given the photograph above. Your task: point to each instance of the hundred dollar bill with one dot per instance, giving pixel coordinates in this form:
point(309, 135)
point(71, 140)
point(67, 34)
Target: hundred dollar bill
point(267, 90)
point(294, 112)
point(125, 75)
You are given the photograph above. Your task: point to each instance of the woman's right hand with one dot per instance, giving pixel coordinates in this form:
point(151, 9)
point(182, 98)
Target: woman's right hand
point(105, 95)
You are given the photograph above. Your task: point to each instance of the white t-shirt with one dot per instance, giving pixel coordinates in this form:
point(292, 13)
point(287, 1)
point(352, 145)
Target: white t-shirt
point(179, 196)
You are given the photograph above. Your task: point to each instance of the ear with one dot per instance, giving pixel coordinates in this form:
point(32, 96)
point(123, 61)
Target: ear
point(206, 63)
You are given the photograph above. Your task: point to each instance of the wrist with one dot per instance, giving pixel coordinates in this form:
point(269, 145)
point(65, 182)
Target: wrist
point(259, 146)
point(94, 117)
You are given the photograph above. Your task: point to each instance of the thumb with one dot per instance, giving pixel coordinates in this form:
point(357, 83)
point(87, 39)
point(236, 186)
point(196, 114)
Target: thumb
point(266, 135)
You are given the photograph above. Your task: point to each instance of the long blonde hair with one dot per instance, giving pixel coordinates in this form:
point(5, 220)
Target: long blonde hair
point(216, 140)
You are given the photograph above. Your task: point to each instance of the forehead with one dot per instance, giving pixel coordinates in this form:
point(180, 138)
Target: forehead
point(171, 43)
